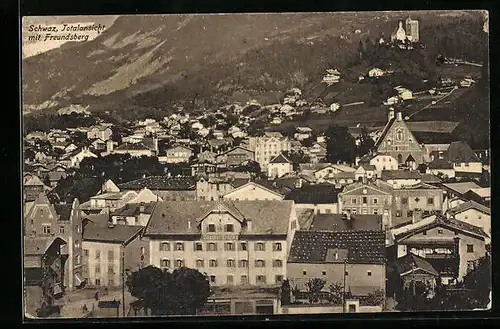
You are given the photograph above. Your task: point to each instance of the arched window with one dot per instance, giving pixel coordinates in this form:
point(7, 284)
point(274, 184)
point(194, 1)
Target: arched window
point(400, 158)
point(399, 134)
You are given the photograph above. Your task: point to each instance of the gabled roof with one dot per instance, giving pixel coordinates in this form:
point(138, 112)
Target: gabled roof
point(386, 129)
point(337, 222)
point(430, 179)
point(280, 158)
point(145, 196)
point(134, 209)
point(440, 164)
point(270, 189)
point(181, 217)
point(238, 147)
point(34, 181)
point(410, 262)
point(110, 234)
point(368, 167)
point(363, 247)
point(461, 188)
point(378, 185)
point(314, 194)
point(39, 245)
point(459, 152)
point(469, 205)
point(132, 147)
point(161, 183)
point(437, 221)
point(400, 174)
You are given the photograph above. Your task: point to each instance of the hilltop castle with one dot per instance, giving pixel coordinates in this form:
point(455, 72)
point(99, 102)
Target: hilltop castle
point(410, 32)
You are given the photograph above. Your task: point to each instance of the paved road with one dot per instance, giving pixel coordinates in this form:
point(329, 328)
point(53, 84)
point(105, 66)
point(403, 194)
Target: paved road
point(72, 303)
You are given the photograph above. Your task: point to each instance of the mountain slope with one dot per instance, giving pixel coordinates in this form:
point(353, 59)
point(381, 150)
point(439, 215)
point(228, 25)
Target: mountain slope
point(155, 61)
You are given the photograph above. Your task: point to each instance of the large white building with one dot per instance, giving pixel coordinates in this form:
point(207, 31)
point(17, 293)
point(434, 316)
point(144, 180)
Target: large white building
point(233, 242)
point(268, 147)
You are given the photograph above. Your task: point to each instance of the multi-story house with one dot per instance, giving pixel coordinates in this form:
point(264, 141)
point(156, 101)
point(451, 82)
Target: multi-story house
point(52, 247)
point(236, 156)
point(473, 213)
point(380, 161)
point(213, 187)
point(451, 246)
point(401, 178)
point(166, 188)
point(416, 201)
point(135, 214)
point(178, 154)
point(102, 132)
point(233, 242)
point(267, 147)
point(110, 251)
point(398, 141)
point(370, 198)
point(355, 259)
point(463, 158)
point(321, 198)
point(279, 166)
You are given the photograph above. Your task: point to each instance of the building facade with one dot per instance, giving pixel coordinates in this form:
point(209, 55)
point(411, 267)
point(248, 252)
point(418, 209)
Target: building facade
point(267, 147)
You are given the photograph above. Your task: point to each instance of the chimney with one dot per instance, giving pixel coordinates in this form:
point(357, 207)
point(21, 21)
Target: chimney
point(399, 116)
point(390, 116)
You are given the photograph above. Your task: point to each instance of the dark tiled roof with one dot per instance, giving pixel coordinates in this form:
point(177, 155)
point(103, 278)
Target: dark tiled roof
point(280, 159)
point(440, 164)
point(63, 210)
point(385, 131)
point(337, 222)
point(426, 137)
point(363, 247)
point(270, 185)
point(174, 217)
point(410, 261)
point(368, 167)
point(461, 152)
point(461, 187)
point(400, 174)
point(161, 183)
point(469, 205)
point(132, 146)
point(116, 234)
point(430, 179)
point(314, 194)
point(133, 209)
point(98, 219)
point(432, 126)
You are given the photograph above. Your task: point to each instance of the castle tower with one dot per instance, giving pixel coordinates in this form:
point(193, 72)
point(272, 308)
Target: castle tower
point(412, 30)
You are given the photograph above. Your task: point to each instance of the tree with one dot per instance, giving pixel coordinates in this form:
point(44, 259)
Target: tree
point(297, 158)
point(314, 287)
point(340, 145)
point(182, 292)
point(336, 292)
point(375, 298)
point(479, 281)
point(285, 293)
point(366, 143)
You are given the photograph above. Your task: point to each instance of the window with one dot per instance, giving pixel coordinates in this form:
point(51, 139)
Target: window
point(165, 246)
point(229, 246)
point(230, 263)
point(260, 246)
point(404, 200)
point(77, 244)
point(61, 229)
point(229, 279)
point(260, 263)
point(213, 263)
point(244, 279)
point(277, 263)
point(346, 272)
point(200, 263)
point(86, 252)
point(369, 273)
point(277, 246)
point(470, 248)
point(77, 229)
point(365, 199)
point(97, 282)
point(111, 269)
point(409, 213)
point(46, 228)
point(77, 260)
point(398, 213)
point(323, 273)
point(212, 278)
point(243, 263)
point(198, 246)
point(229, 228)
point(211, 228)
point(353, 200)
point(375, 200)
point(466, 164)
point(440, 231)
point(212, 246)
point(328, 211)
point(375, 211)
point(278, 278)
point(111, 255)
point(424, 233)
point(354, 210)
point(430, 200)
point(111, 283)
point(98, 269)
point(97, 254)
point(143, 251)
point(304, 272)
point(261, 279)
point(165, 263)
point(179, 263)
point(179, 246)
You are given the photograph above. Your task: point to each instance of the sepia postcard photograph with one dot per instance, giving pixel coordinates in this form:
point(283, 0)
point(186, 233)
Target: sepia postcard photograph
point(255, 164)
